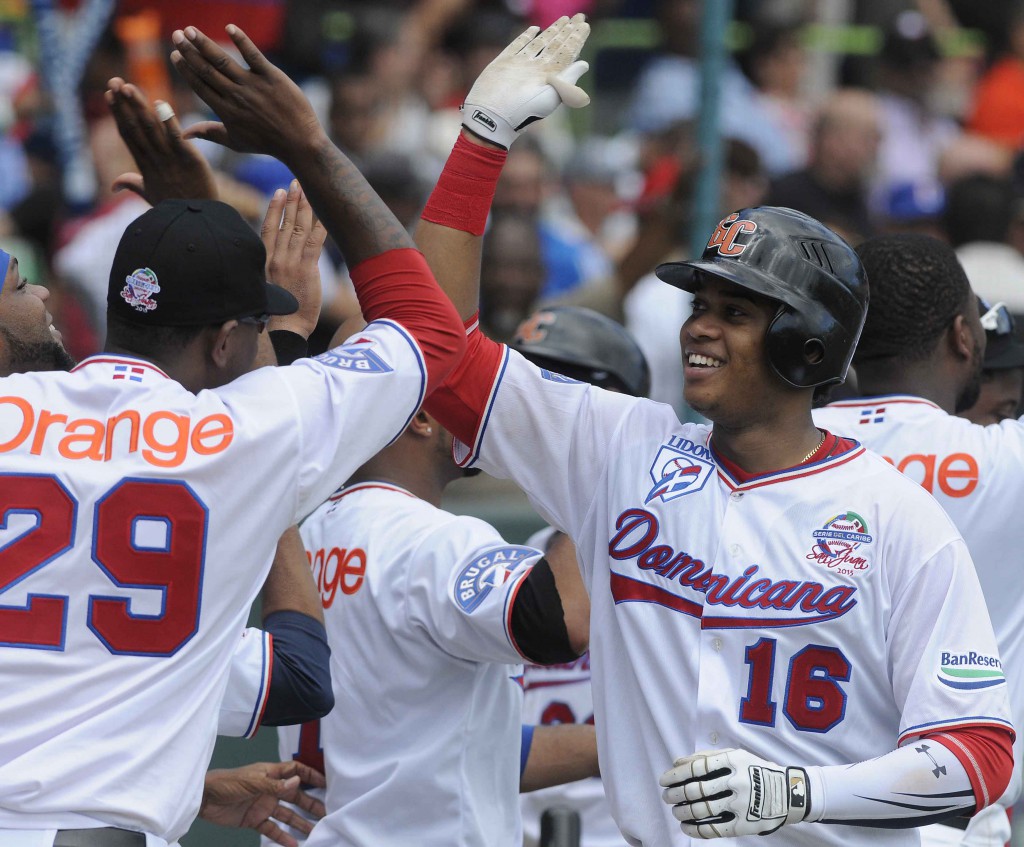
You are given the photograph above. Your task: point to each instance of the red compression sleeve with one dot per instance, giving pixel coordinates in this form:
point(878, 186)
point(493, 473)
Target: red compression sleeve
point(986, 752)
point(461, 402)
point(399, 286)
point(462, 197)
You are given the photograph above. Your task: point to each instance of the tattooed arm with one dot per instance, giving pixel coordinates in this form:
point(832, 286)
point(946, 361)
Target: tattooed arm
point(263, 111)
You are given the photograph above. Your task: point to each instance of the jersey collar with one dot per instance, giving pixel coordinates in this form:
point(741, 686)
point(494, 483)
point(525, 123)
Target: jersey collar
point(834, 451)
point(345, 490)
point(881, 400)
point(108, 359)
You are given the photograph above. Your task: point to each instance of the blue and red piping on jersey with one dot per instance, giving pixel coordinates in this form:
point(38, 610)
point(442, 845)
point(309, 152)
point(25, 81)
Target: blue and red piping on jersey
point(833, 452)
point(368, 485)
point(880, 400)
point(264, 692)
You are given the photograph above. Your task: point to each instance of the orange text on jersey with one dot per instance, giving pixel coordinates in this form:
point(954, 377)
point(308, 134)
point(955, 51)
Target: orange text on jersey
point(334, 569)
point(956, 475)
point(93, 439)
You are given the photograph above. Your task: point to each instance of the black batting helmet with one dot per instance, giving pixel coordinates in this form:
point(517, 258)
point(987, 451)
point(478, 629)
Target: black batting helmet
point(815, 276)
point(585, 345)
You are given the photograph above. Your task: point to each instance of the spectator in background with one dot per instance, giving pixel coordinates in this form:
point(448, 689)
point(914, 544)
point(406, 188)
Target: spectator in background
point(511, 272)
point(571, 257)
point(913, 136)
point(775, 62)
point(1002, 376)
point(355, 105)
point(998, 111)
point(844, 151)
point(595, 211)
point(980, 211)
point(668, 89)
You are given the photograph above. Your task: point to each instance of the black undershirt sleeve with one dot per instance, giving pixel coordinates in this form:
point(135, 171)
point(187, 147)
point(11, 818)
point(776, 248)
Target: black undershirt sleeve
point(538, 621)
point(300, 680)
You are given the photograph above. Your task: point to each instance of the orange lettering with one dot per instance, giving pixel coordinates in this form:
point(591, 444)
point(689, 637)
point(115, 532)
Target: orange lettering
point(947, 472)
point(357, 571)
point(133, 439)
point(724, 236)
point(93, 441)
point(176, 450)
point(332, 582)
point(927, 463)
point(46, 417)
point(28, 417)
point(212, 426)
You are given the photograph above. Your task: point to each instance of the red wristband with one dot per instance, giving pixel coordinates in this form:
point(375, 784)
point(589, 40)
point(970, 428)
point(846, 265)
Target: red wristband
point(462, 198)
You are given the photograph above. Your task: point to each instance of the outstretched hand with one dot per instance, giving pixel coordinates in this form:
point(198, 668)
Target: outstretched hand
point(170, 167)
point(249, 797)
point(261, 109)
point(294, 239)
point(527, 81)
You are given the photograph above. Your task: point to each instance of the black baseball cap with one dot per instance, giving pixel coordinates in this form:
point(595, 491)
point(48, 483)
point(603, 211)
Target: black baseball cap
point(192, 263)
point(1002, 349)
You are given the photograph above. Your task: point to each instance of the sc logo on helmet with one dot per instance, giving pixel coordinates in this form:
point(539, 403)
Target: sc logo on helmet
point(725, 236)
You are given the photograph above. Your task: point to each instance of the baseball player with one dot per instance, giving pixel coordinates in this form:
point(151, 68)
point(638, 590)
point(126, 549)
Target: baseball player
point(580, 344)
point(919, 361)
point(293, 641)
point(761, 591)
point(426, 596)
point(129, 483)
point(254, 794)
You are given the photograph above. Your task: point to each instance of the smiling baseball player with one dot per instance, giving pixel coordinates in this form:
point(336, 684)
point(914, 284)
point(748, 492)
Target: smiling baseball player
point(919, 362)
point(128, 483)
point(762, 592)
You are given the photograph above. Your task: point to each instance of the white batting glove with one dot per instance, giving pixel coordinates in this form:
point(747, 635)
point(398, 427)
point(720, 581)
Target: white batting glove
point(729, 793)
point(527, 81)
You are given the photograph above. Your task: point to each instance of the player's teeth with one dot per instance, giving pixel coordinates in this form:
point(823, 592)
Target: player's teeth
point(704, 361)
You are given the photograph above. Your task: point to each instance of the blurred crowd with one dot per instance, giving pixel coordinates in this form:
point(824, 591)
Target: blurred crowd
point(894, 115)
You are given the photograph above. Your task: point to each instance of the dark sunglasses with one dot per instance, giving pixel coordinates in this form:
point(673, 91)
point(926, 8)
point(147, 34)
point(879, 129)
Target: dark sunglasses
point(259, 322)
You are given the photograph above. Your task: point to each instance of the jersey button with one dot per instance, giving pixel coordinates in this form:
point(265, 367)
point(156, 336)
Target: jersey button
point(736, 549)
point(713, 738)
point(736, 495)
point(717, 644)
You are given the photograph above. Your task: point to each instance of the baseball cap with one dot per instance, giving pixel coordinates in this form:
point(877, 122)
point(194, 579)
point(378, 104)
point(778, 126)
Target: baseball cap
point(1002, 350)
point(192, 263)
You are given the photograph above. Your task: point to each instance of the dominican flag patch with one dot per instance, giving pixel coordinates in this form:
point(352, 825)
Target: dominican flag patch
point(875, 414)
point(130, 372)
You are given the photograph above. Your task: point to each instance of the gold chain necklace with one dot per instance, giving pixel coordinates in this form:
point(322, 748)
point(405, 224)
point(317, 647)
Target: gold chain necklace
point(817, 447)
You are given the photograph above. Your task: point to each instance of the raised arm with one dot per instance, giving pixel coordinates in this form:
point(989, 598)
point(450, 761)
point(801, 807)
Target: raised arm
point(169, 166)
point(263, 111)
point(525, 83)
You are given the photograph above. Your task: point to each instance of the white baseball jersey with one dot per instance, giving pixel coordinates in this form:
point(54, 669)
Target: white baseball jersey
point(977, 475)
point(422, 746)
point(822, 614)
point(556, 694)
point(140, 521)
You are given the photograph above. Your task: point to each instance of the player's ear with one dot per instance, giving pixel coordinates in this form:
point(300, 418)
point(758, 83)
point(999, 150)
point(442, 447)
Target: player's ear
point(220, 347)
point(961, 338)
point(422, 424)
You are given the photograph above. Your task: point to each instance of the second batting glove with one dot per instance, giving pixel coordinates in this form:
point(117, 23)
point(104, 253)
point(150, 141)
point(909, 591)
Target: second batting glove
point(729, 793)
point(527, 81)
